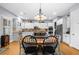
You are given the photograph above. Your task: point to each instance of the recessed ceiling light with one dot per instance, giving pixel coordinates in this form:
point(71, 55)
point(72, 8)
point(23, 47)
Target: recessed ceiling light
point(54, 13)
point(21, 13)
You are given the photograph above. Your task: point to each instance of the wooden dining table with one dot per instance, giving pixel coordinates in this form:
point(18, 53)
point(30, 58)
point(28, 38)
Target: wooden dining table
point(39, 42)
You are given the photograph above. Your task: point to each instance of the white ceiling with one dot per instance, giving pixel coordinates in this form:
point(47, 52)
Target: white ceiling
point(31, 9)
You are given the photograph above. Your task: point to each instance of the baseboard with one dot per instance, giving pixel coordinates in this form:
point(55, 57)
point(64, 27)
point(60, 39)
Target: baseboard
point(11, 40)
point(66, 44)
point(14, 40)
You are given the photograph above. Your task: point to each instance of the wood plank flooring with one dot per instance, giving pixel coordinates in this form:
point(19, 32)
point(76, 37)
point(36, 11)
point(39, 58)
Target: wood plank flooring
point(66, 50)
point(14, 49)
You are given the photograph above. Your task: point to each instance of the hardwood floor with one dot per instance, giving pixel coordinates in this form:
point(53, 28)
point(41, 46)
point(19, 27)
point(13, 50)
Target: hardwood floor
point(64, 48)
point(12, 50)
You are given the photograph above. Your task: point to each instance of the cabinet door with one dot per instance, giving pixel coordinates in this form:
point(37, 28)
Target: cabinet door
point(4, 40)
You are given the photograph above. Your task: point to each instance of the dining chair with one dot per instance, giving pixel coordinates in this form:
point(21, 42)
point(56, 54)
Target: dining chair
point(29, 49)
point(50, 48)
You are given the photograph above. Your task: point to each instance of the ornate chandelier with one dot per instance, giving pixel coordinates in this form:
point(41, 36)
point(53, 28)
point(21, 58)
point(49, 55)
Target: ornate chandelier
point(40, 16)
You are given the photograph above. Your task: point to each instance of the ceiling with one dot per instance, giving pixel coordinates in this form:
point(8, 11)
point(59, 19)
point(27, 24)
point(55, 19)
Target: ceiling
point(29, 10)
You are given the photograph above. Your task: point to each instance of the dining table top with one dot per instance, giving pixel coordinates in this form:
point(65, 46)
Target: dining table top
point(40, 41)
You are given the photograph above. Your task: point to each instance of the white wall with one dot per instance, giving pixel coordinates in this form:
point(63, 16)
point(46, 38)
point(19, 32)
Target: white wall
point(1, 22)
point(75, 28)
point(73, 23)
point(4, 13)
